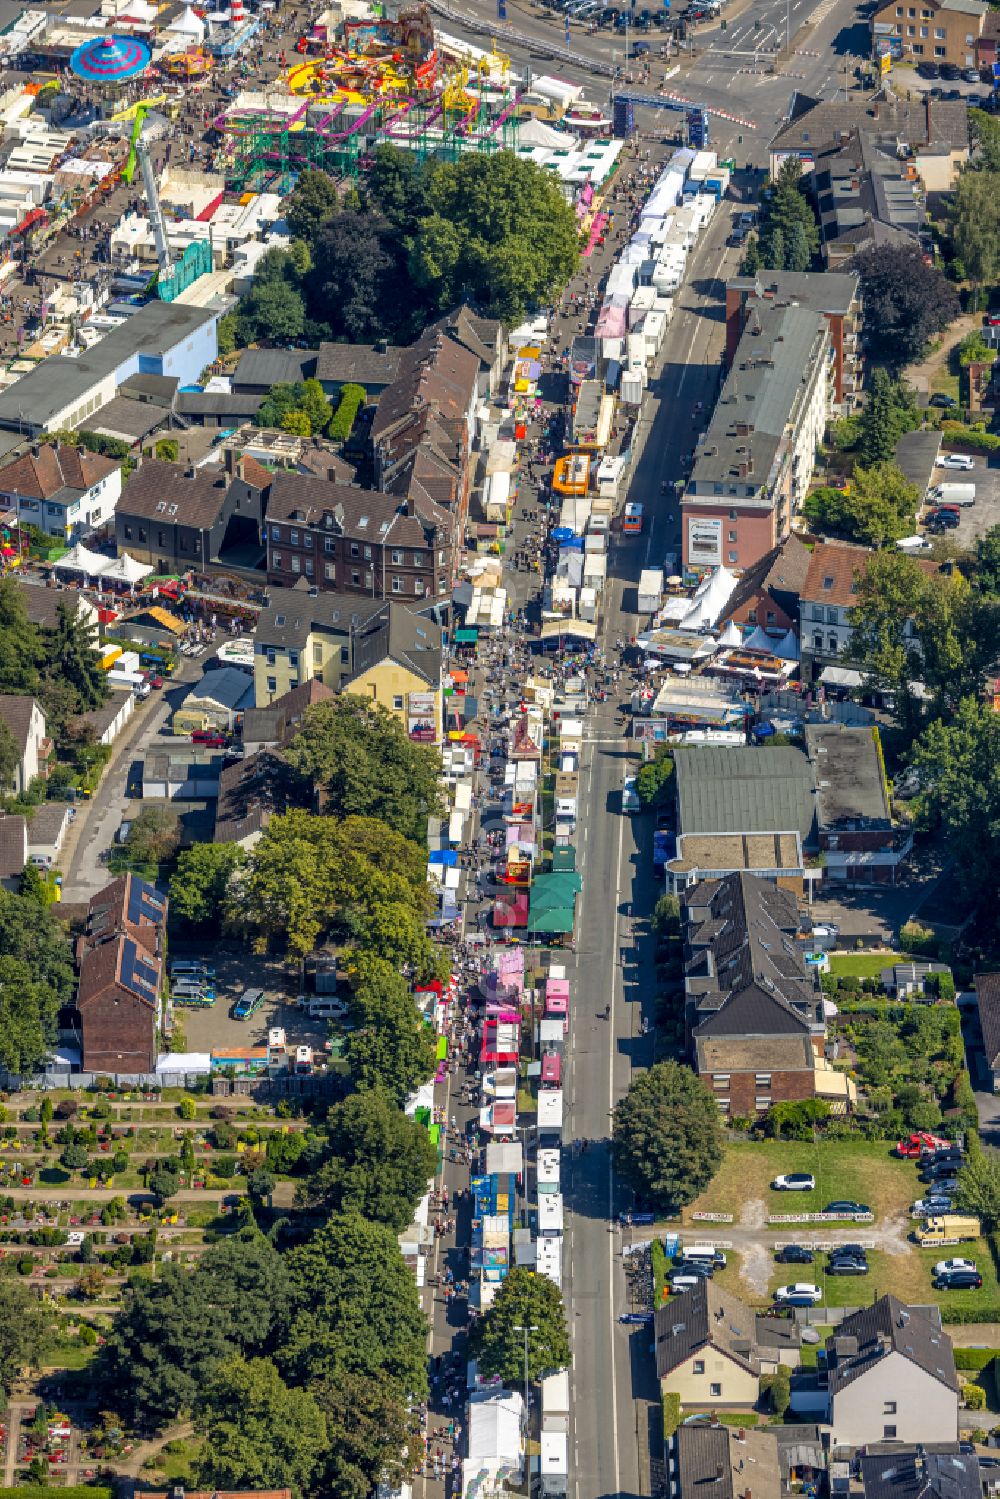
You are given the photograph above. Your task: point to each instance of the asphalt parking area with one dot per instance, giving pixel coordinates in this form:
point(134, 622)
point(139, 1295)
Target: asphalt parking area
point(979, 518)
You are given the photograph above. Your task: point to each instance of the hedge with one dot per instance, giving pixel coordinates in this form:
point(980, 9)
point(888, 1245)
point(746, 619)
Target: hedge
point(352, 398)
point(958, 1315)
point(960, 436)
point(42, 1491)
point(671, 1413)
point(975, 1358)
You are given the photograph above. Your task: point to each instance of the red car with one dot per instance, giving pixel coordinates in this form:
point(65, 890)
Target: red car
point(910, 1149)
point(154, 680)
point(210, 737)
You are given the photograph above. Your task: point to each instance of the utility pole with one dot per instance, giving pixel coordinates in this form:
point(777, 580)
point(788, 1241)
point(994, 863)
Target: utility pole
point(525, 1327)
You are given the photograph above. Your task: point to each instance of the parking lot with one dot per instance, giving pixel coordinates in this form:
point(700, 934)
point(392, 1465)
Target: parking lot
point(214, 1029)
point(975, 520)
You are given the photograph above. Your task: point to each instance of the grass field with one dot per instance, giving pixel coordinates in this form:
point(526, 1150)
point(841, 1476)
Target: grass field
point(862, 965)
point(862, 1170)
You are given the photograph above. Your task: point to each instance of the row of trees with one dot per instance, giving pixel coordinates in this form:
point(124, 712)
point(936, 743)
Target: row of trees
point(789, 234)
point(56, 665)
point(491, 230)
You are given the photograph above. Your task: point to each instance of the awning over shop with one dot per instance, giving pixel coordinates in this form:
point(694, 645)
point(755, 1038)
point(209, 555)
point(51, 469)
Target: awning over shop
point(841, 676)
point(553, 902)
point(466, 637)
point(576, 629)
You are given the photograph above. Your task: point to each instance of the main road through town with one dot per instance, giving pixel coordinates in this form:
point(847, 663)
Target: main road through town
point(613, 1446)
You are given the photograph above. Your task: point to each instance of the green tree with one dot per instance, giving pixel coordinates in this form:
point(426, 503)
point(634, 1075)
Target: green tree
point(798, 255)
point(751, 257)
point(772, 247)
point(71, 658)
point(10, 758)
point(881, 505)
point(667, 1136)
point(199, 884)
point(388, 1046)
point(985, 132)
point(372, 1436)
point(367, 765)
point(311, 205)
point(789, 232)
point(359, 280)
point(979, 1189)
point(889, 412)
point(167, 449)
point(987, 574)
point(355, 1309)
point(28, 1010)
point(26, 1333)
point(958, 764)
point(975, 226)
point(397, 187)
point(314, 403)
point(259, 1433)
point(297, 423)
point(525, 1301)
point(379, 1164)
point(654, 781)
point(154, 836)
point(281, 400)
point(21, 652)
point(272, 312)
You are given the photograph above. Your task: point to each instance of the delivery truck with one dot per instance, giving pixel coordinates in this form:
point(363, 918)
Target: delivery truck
point(950, 1228)
point(953, 492)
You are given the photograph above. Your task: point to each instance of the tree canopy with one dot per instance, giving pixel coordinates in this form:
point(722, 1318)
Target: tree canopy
point(667, 1136)
point(388, 1046)
point(975, 226)
point(199, 884)
point(958, 764)
point(525, 1301)
point(260, 1434)
point(36, 977)
point(378, 1164)
point(789, 233)
point(877, 505)
point(26, 1333)
point(906, 302)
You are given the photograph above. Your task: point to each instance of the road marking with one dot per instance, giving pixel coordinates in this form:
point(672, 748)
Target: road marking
point(611, 1175)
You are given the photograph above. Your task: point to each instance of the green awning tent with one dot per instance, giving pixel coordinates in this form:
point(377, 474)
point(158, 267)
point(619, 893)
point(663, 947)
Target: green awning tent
point(466, 637)
point(564, 860)
point(553, 902)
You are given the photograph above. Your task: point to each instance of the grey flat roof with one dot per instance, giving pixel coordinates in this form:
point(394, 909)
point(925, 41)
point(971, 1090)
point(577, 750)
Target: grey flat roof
point(737, 789)
point(916, 454)
point(849, 784)
point(822, 291)
point(52, 385)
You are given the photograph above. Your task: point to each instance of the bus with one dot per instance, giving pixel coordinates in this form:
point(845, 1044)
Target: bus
point(632, 519)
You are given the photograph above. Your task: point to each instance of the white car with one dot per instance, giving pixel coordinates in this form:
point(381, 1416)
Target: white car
point(74, 1240)
point(796, 1181)
point(802, 1293)
point(945, 1267)
point(960, 461)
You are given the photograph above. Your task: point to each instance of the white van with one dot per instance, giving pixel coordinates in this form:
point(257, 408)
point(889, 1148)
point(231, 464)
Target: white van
point(189, 967)
point(953, 492)
point(326, 1007)
point(706, 1252)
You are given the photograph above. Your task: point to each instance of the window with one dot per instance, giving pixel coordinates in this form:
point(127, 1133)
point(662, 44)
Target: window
point(296, 565)
point(317, 655)
point(161, 537)
point(715, 1390)
point(355, 578)
point(888, 1433)
point(917, 48)
point(368, 554)
point(732, 536)
point(275, 559)
point(732, 556)
point(751, 616)
point(293, 537)
point(397, 559)
point(924, 32)
point(369, 578)
point(732, 515)
point(397, 702)
point(763, 1079)
point(817, 642)
point(939, 33)
point(271, 658)
point(419, 560)
point(397, 583)
point(899, 10)
point(272, 684)
point(293, 659)
point(345, 655)
point(833, 617)
point(330, 573)
point(888, 1407)
point(969, 38)
point(309, 567)
point(770, 616)
point(275, 533)
point(307, 541)
point(128, 533)
point(418, 587)
point(832, 645)
point(142, 535)
point(329, 546)
point(182, 544)
point(698, 1367)
point(355, 549)
point(762, 1104)
point(721, 1080)
point(939, 52)
point(723, 1104)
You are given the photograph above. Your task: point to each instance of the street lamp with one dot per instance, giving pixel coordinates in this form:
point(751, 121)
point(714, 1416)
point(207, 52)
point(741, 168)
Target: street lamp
point(525, 1327)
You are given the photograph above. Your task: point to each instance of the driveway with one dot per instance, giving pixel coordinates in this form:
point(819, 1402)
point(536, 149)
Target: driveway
point(979, 518)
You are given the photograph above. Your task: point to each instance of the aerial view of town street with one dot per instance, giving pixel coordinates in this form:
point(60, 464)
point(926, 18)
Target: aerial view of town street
point(500, 749)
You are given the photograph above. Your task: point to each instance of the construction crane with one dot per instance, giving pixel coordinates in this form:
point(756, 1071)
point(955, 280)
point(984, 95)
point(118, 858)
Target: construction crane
point(175, 273)
point(156, 223)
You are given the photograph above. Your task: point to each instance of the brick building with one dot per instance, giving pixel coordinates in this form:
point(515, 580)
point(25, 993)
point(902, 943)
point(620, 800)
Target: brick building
point(754, 1015)
point(836, 296)
point(120, 959)
point(767, 594)
point(858, 839)
point(360, 542)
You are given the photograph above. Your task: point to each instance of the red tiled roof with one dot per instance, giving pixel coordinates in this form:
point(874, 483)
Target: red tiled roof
point(40, 475)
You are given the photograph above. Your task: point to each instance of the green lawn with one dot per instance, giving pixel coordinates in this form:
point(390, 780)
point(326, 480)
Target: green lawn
point(71, 1355)
point(862, 1170)
point(809, 1353)
point(862, 965)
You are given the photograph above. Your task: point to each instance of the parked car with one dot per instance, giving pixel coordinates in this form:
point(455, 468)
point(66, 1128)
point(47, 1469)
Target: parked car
point(959, 461)
point(843, 1264)
point(849, 1251)
point(794, 1254)
point(991, 320)
point(155, 680)
point(248, 1004)
point(212, 738)
point(946, 1267)
point(795, 1181)
point(920, 1141)
point(686, 1282)
point(802, 1293)
point(704, 1269)
point(951, 71)
point(943, 520)
point(930, 1207)
point(940, 1170)
point(959, 1280)
point(929, 69)
point(970, 75)
point(846, 1207)
point(940, 399)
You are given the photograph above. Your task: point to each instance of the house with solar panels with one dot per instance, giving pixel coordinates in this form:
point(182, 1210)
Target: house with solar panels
point(120, 958)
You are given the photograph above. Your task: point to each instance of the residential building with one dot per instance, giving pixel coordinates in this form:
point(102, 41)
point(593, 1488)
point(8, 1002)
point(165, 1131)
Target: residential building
point(359, 543)
point(934, 133)
point(372, 366)
point(47, 828)
point(42, 604)
point(891, 1377)
point(251, 792)
point(303, 636)
point(942, 1470)
point(159, 338)
point(13, 849)
point(753, 465)
point(729, 1462)
point(177, 518)
point(866, 195)
point(766, 595)
point(836, 296)
point(987, 986)
point(120, 962)
point(828, 597)
point(754, 1014)
point(258, 369)
point(705, 1350)
point(65, 491)
point(945, 31)
point(218, 701)
point(709, 856)
point(26, 723)
point(858, 839)
point(912, 980)
point(396, 656)
point(280, 720)
point(724, 789)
